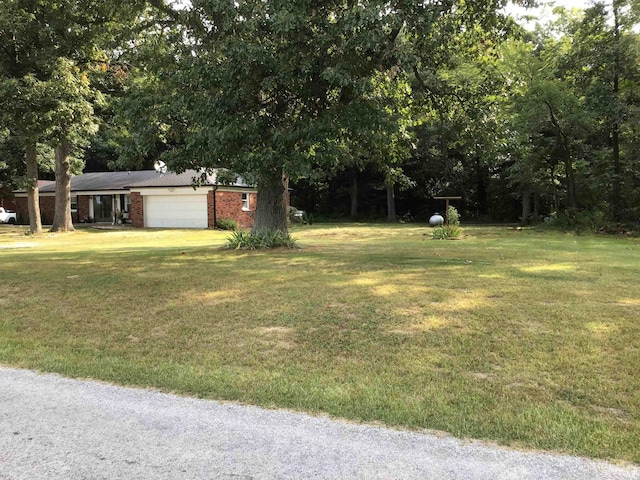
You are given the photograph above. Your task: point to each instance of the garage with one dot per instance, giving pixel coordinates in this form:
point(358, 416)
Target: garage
point(175, 211)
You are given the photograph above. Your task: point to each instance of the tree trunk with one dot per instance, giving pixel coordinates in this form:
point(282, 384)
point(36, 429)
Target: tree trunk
point(571, 183)
point(616, 195)
point(62, 218)
point(481, 187)
point(391, 202)
point(569, 174)
point(554, 189)
point(526, 207)
point(273, 201)
point(353, 193)
point(33, 192)
point(616, 190)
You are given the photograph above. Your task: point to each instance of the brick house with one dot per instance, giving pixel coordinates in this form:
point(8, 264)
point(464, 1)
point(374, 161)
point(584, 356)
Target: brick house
point(149, 199)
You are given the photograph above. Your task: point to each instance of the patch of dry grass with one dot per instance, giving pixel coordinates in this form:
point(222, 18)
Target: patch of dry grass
point(526, 338)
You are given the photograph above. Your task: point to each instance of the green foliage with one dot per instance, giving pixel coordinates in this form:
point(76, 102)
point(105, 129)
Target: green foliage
point(227, 224)
point(451, 229)
point(446, 232)
point(51, 50)
point(300, 216)
point(261, 240)
point(293, 212)
point(292, 87)
point(308, 218)
point(453, 217)
point(580, 221)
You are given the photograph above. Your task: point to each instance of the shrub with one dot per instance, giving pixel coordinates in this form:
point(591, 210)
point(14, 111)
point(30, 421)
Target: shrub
point(227, 224)
point(451, 229)
point(453, 217)
point(444, 232)
point(263, 239)
point(578, 220)
point(295, 215)
point(407, 217)
point(308, 218)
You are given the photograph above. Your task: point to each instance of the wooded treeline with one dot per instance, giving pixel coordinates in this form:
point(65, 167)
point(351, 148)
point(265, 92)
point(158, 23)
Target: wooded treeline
point(365, 109)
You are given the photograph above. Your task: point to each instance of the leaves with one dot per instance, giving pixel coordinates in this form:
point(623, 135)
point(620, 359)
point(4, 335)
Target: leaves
point(290, 84)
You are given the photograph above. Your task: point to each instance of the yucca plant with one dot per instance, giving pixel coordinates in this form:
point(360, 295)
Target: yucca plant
point(263, 239)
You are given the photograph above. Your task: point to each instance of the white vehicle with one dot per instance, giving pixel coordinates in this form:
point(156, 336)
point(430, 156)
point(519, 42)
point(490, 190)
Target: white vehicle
point(7, 216)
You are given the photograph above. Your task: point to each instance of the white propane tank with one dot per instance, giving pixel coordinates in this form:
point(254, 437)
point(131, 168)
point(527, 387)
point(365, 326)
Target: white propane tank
point(436, 219)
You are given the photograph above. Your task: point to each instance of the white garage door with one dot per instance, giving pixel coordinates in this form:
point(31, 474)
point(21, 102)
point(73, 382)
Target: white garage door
point(175, 211)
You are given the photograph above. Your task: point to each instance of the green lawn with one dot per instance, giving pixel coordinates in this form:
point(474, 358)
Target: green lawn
point(527, 338)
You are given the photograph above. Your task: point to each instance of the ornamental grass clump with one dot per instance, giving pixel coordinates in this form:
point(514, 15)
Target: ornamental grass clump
point(260, 240)
point(451, 228)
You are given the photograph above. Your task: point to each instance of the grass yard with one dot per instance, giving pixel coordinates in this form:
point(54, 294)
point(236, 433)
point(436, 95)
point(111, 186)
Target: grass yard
point(527, 338)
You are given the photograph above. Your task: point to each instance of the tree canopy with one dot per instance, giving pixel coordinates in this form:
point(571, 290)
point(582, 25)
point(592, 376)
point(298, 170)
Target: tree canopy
point(48, 50)
point(409, 99)
point(277, 90)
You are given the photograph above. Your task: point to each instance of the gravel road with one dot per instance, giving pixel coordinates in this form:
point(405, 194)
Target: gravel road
point(57, 428)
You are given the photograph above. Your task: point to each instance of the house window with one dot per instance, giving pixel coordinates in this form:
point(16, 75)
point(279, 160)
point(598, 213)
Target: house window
point(127, 203)
point(245, 201)
point(74, 203)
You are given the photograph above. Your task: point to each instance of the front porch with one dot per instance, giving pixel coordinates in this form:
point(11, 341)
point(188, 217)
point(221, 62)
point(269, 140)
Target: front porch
point(103, 208)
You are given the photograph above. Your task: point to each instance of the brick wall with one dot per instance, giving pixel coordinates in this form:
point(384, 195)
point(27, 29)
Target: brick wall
point(47, 209)
point(229, 205)
point(22, 209)
point(83, 208)
point(250, 216)
point(137, 210)
point(210, 215)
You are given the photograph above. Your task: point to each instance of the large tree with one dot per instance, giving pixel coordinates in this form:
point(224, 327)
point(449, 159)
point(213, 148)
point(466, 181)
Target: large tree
point(23, 103)
point(273, 90)
point(48, 48)
point(74, 123)
point(603, 68)
point(18, 98)
point(549, 118)
point(574, 90)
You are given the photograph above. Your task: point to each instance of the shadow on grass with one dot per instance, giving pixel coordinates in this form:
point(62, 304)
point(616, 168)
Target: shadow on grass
point(413, 333)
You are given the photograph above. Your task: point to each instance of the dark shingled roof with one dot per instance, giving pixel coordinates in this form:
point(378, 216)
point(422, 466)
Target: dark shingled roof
point(104, 181)
point(171, 179)
point(96, 181)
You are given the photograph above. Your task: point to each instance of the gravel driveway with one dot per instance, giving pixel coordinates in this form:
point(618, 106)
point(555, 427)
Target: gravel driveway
point(57, 428)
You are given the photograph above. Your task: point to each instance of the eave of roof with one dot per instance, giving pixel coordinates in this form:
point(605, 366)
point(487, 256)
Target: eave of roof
point(110, 181)
point(185, 179)
point(170, 179)
point(96, 181)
